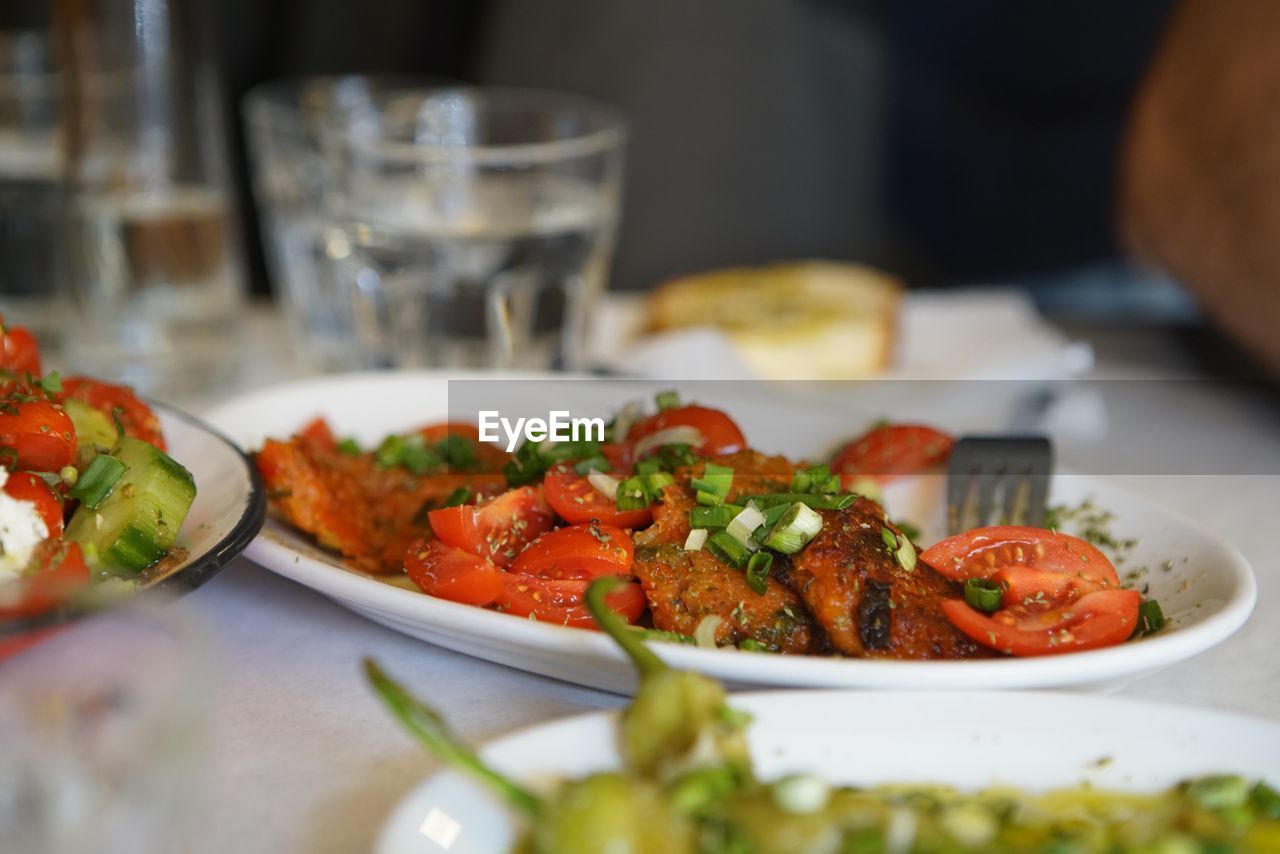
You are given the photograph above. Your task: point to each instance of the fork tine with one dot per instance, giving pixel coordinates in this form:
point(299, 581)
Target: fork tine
point(958, 487)
point(985, 487)
point(1038, 501)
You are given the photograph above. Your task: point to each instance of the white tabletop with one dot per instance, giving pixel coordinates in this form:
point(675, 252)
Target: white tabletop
point(303, 759)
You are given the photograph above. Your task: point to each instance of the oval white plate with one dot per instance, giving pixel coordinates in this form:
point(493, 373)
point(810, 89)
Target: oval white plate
point(1030, 740)
point(1208, 590)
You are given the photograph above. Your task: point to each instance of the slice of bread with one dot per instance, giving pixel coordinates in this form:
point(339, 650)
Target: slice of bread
point(805, 320)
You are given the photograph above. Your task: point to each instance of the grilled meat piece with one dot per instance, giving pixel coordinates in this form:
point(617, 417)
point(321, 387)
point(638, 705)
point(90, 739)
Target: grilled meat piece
point(868, 604)
point(350, 504)
point(684, 587)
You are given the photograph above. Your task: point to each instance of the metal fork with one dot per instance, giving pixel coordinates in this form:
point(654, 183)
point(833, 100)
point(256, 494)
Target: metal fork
point(998, 480)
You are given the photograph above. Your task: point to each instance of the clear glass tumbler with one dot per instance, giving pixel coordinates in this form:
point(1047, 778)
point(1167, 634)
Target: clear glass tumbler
point(153, 236)
point(474, 226)
point(285, 125)
point(32, 291)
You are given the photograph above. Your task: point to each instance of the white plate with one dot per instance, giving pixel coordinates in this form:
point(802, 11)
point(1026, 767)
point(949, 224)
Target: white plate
point(1208, 592)
point(1030, 740)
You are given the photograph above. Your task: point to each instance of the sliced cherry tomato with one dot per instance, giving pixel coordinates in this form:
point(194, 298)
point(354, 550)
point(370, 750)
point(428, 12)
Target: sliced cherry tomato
point(577, 552)
point(25, 486)
point(498, 529)
point(452, 573)
point(890, 451)
point(19, 352)
point(318, 432)
point(1098, 619)
point(981, 552)
point(136, 417)
point(40, 433)
point(563, 602)
point(57, 571)
point(720, 435)
point(573, 497)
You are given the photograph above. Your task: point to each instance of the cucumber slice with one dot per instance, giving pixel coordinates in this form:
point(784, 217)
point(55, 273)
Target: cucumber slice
point(138, 521)
point(94, 431)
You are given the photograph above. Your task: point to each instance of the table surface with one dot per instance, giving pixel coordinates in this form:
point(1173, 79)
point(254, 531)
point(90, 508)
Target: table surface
point(301, 757)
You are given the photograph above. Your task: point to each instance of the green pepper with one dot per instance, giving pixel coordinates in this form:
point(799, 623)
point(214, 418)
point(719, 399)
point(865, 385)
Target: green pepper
point(610, 812)
point(674, 713)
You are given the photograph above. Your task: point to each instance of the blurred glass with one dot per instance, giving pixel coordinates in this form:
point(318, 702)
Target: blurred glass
point(102, 733)
point(31, 283)
point(285, 123)
point(152, 234)
point(460, 227)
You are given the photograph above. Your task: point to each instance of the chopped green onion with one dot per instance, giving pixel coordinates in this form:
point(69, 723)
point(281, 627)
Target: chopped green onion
point(603, 484)
point(458, 497)
point(349, 446)
point(802, 794)
point(727, 549)
point(758, 571)
point(889, 538)
point(800, 481)
point(676, 455)
point(389, 452)
point(696, 540)
point(816, 479)
point(97, 481)
point(752, 645)
point(906, 554)
point(647, 467)
point(418, 458)
point(709, 499)
point(598, 463)
point(631, 495)
point(68, 475)
point(794, 529)
point(816, 502)
point(983, 594)
point(667, 399)
point(744, 524)
point(655, 483)
point(712, 517)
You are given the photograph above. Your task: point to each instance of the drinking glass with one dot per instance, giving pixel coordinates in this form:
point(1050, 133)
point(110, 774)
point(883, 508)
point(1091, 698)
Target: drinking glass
point(285, 123)
point(31, 282)
point(102, 734)
point(473, 227)
point(152, 233)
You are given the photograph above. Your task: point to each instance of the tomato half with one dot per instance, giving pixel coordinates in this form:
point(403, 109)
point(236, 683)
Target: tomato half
point(563, 602)
point(25, 486)
point(41, 434)
point(573, 497)
point(577, 552)
point(58, 571)
point(137, 419)
point(720, 435)
point(19, 352)
point(500, 528)
point(979, 553)
point(890, 451)
point(1098, 619)
point(451, 573)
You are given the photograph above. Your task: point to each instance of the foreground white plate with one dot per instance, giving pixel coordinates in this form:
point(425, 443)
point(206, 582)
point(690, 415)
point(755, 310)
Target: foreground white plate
point(1203, 583)
point(1036, 741)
